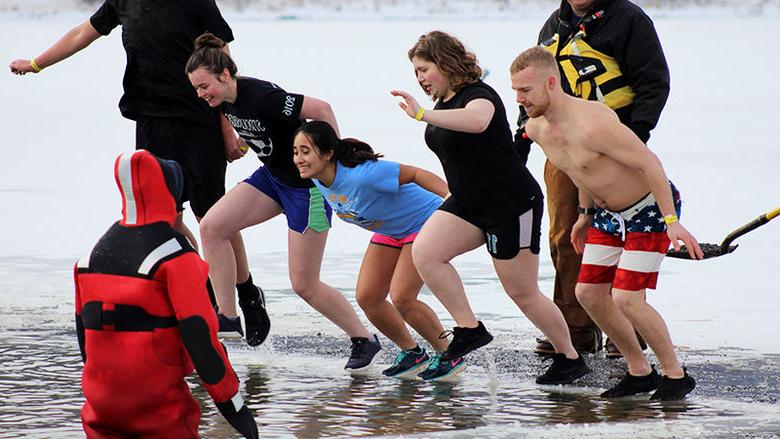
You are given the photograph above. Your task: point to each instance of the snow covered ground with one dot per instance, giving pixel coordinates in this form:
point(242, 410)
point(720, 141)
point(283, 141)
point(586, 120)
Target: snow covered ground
point(413, 9)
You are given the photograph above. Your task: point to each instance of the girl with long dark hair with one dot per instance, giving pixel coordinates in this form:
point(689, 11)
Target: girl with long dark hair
point(393, 200)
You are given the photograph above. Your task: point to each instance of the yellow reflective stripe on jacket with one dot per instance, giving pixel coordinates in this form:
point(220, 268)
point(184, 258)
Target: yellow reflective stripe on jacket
point(614, 99)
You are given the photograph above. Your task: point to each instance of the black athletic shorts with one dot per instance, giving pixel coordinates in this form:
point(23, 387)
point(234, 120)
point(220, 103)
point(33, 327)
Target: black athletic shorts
point(197, 148)
point(505, 239)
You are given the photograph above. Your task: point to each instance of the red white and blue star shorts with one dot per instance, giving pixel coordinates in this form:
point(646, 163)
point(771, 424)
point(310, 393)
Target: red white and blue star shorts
point(626, 248)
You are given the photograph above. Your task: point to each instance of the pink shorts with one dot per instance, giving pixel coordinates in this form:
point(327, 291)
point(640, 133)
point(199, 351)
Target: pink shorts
point(630, 265)
point(393, 242)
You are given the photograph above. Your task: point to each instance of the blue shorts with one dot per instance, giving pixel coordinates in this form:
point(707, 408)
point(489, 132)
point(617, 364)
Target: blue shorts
point(305, 208)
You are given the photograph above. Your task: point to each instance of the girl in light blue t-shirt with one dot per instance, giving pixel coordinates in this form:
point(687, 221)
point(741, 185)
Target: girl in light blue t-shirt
point(392, 200)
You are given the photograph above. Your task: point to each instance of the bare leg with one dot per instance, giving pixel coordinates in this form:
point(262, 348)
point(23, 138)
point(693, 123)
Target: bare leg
point(373, 285)
point(598, 302)
point(182, 228)
point(404, 290)
point(239, 251)
point(241, 207)
point(519, 278)
point(651, 327)
point(443, 237)
point(305, 259)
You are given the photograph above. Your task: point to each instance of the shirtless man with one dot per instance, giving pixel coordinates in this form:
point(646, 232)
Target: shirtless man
point(628, 216)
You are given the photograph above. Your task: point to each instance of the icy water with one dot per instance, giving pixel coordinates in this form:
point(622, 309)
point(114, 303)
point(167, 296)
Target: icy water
point(296, 385)
point(716, 139)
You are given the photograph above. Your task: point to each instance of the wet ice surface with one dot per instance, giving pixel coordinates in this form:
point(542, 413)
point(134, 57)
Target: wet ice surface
point(296, 385)
point(716, 139)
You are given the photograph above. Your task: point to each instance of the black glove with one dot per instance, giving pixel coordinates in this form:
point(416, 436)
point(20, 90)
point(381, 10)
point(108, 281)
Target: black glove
point(242, 420)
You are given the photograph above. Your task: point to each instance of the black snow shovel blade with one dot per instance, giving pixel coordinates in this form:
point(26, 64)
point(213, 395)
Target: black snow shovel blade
point(725, 247)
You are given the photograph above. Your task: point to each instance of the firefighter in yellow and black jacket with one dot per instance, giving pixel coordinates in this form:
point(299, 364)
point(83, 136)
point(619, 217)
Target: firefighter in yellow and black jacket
point(607, 51)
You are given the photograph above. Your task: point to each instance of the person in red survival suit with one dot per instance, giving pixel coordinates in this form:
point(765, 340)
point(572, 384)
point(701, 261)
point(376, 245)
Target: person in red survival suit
point(143, 318)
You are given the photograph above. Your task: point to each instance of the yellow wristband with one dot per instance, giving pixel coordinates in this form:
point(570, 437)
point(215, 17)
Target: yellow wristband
point(35, 66)
point(419, 114)
point(670, 219)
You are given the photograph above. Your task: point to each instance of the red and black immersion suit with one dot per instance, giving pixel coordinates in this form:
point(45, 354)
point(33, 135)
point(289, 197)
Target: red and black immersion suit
point(144, 318)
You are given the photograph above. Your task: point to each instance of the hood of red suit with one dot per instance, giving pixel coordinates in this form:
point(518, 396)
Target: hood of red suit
point(146, 184)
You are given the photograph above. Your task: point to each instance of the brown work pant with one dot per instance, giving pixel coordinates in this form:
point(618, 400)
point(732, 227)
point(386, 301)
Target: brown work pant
point(562, 201)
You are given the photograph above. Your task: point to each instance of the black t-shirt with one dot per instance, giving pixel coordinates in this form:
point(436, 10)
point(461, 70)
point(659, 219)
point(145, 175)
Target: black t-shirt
point(158, 37)
point(267, 117)
point(485, 174)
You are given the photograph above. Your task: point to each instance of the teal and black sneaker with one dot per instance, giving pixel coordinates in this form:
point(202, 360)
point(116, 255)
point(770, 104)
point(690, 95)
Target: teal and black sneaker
point(442, 368)
point(407, 363)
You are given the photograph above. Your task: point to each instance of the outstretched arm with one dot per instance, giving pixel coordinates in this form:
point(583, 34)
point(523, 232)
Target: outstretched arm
point(316, 109)
point(425, 179)
point(185, 277)
point(474, 118)
point(76, 39)
point(618, 142)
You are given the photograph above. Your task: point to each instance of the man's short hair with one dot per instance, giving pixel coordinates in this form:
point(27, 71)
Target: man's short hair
point(536, 56)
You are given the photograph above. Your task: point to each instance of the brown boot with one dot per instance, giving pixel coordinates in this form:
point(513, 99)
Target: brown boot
point(588, 342)
point(612, 350)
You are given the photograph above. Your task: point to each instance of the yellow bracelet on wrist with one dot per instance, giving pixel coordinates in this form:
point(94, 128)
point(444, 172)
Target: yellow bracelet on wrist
point(36, 68)
point(418, 117)
point(670, 219)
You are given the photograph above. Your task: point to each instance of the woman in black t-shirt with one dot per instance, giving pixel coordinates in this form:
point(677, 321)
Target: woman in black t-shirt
point(267, 117)
point(494, 200)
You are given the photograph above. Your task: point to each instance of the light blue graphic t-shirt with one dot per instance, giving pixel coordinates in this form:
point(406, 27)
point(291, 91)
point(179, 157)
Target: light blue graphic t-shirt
point(369, 195)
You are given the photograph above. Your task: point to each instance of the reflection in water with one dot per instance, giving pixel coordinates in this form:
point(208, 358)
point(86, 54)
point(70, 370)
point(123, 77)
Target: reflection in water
point(41, 370)
point(296, 385)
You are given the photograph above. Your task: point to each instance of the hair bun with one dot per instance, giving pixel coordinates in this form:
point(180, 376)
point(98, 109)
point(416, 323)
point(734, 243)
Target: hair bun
point(209, 40)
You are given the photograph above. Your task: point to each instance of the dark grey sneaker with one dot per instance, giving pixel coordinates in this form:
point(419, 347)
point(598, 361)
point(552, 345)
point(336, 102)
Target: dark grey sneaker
point(442, 368)
point(363, 353)
point(672, 389)
point(631, 385)
point(563, 370)
point(256, 319)
point(229, 327)
point(465, 340)
point(407, 363)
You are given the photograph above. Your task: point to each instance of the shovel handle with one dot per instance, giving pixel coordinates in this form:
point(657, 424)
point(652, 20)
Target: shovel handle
point(756, 223)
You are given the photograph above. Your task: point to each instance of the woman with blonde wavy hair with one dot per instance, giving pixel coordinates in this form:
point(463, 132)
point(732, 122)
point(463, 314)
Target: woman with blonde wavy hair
point(494, 200)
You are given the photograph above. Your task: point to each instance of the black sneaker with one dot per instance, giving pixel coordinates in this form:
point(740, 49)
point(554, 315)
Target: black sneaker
point(256, 319)
point(229, 327)
point(408, 363)
point(465, 340)
point(563, 370)
point(631, 385)
point(672, 389)
point(442, 368)
point(363, 353)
